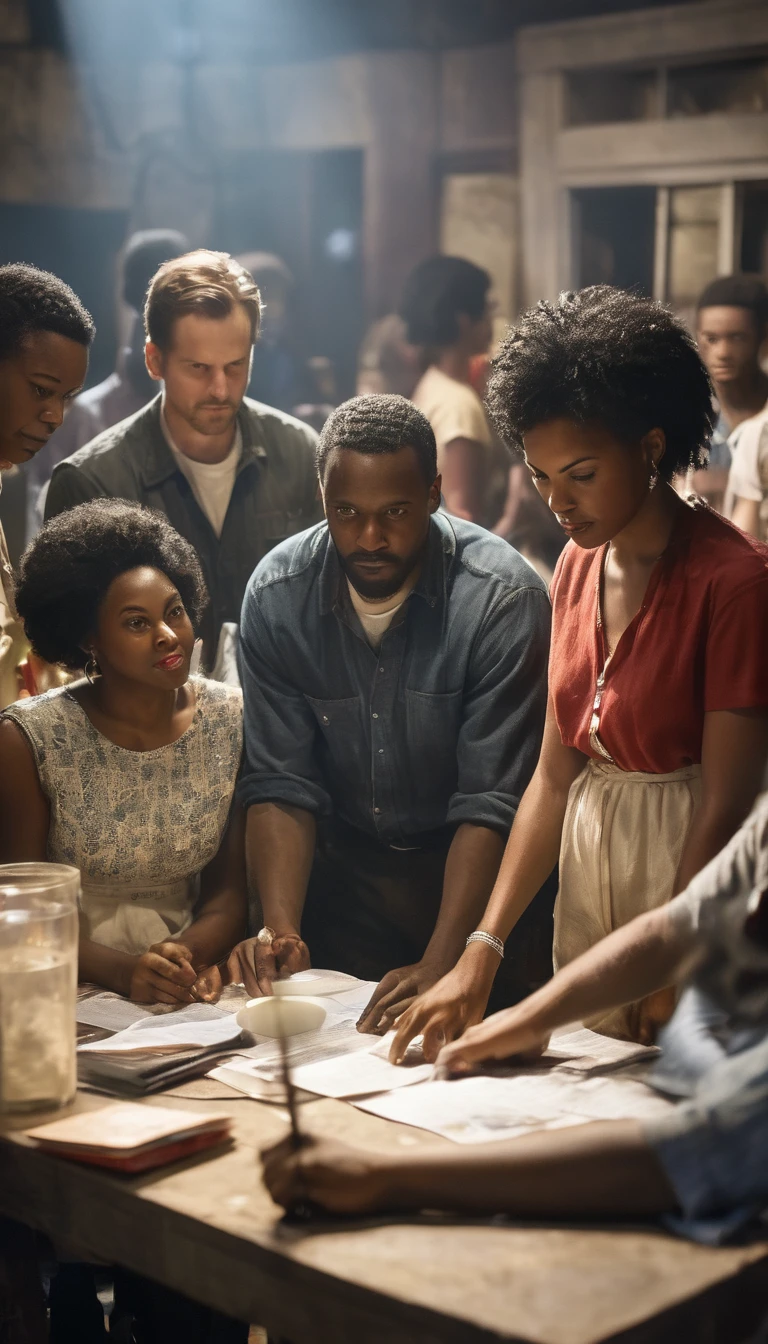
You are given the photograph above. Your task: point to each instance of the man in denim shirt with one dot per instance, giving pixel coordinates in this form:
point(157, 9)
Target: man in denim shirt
point(394, 664)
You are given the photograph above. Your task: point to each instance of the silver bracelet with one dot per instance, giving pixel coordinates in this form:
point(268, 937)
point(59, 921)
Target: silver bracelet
point(480, 936)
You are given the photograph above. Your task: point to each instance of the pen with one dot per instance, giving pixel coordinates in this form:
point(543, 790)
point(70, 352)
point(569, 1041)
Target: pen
point(302, 1211)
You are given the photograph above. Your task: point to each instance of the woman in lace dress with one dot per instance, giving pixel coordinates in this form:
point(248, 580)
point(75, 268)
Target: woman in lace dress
point(129, 773)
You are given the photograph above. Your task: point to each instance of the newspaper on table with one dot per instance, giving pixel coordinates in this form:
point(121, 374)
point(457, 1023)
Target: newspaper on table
point(113, 1012)
point(153, 1053)
point(583, 1076)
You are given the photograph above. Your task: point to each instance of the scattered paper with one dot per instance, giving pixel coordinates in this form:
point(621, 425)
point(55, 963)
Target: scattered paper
point(164, 1035)
point(243, 1075)
point(113, 1012)
point(587, 1052)
point(362, 1073)
point(483, 1110)
point(356, 1000)
point(316, 981)
point(335, 1037)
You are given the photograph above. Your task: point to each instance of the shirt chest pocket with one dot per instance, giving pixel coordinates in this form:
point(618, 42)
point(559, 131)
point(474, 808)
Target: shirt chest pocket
point(340, 724)
point(432, 724)
point(279, 524)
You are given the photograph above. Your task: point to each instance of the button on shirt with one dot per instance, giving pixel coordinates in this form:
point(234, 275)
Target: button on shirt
point(441, 725)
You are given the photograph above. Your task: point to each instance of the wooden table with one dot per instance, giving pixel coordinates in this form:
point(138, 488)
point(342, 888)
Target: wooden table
point(207, 1227)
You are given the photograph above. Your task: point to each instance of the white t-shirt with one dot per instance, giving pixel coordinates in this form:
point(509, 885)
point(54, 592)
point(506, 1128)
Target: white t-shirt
point(453, 409)
point(212, 482)
point(376, 617)
point(748, 476)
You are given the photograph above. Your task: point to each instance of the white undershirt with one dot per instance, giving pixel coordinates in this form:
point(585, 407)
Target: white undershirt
point(212, 482)
point(377, 616)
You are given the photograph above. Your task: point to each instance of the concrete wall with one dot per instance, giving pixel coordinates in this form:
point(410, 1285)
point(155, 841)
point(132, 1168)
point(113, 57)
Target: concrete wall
point(82, 136)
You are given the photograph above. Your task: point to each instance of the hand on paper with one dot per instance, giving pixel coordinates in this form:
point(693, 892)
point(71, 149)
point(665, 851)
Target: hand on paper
point(333, 1175)
point(396, 992)
point(445, 1010)
point(508, 1033)
point(164, 974)
point(255, 965)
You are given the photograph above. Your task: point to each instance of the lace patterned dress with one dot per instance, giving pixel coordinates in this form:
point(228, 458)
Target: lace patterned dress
point(140, 825)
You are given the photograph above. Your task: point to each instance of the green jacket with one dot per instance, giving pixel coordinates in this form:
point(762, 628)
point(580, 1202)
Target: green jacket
point(275, 495)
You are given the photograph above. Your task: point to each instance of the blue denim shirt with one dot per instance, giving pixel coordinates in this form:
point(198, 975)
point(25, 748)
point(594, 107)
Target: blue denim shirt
point(441, 726)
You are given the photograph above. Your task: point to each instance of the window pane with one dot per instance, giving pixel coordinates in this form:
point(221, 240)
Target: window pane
point(729, 86)
point(694, 226)
point(594, 97)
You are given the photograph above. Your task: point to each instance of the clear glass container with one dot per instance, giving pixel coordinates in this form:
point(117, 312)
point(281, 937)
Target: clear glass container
point(38, 986)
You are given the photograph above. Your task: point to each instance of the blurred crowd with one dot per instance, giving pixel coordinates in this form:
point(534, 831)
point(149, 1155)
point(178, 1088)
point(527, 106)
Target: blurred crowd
point(436, 349)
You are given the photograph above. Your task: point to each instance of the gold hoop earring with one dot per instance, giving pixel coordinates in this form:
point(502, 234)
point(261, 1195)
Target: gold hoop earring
point(653, 478)
point(92, 669)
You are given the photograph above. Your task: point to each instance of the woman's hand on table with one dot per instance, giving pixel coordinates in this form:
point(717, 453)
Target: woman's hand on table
point(338, 1178)
point(164, 974)
point(509, 1033)
point(447, 1009)
point(256, 965)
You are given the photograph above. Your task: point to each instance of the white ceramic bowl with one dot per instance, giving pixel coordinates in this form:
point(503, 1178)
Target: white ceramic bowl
point(281, 1016)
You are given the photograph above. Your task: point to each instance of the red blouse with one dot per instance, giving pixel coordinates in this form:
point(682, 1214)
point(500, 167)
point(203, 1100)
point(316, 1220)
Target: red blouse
point(699, 642)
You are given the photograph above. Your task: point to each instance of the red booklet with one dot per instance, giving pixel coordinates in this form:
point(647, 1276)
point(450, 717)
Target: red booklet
point(128, 1136)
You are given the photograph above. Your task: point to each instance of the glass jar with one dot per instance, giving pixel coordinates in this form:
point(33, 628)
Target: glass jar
point(38, 986)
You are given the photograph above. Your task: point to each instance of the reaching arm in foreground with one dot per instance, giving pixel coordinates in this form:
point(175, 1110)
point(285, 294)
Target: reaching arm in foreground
point(647, 954)
point(605, 1168)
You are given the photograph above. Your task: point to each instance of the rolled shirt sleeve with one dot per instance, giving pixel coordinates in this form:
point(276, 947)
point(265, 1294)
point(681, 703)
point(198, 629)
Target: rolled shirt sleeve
point(503, 711)
point(279, 764)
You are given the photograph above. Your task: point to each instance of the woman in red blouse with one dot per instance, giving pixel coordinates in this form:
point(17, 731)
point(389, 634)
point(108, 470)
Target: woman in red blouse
point(656, 737)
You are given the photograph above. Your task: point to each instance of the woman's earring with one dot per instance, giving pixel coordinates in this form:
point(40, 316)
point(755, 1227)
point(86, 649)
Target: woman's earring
point(92, 668)
point(653, 478)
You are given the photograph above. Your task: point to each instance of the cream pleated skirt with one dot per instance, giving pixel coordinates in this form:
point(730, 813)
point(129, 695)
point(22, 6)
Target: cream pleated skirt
point(623, 838)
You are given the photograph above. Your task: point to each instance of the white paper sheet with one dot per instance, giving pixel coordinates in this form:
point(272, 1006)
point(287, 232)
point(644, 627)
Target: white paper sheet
point(336, 1037)
point(587, 1052)
point(317, 982)
point(483, 1110)
point(244, 1076)
point(362, 1073)
point(151, 1034)
point(112, 1012)
point(357, 999)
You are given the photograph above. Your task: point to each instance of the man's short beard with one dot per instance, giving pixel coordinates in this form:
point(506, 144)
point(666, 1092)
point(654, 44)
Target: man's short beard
point(378, 590)
point(203, 426)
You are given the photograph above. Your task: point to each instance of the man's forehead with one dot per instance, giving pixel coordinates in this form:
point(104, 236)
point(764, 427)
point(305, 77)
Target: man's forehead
point(373, 469)
point(195, 336)
point(721, 317)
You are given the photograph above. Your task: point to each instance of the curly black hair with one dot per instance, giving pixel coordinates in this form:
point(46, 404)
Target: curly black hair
point(606, 356)
point(32, 300)
point(378, 424)
point(434, 295)
point(65, 573)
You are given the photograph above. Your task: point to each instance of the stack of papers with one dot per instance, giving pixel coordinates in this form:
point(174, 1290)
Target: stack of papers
point(152, 1054)
point(126, 1137)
